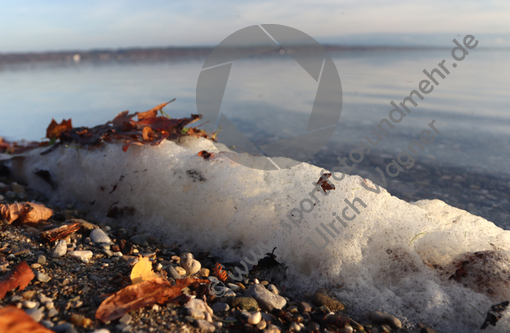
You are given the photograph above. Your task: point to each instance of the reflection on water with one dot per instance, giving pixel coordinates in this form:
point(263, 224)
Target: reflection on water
point(270, 98)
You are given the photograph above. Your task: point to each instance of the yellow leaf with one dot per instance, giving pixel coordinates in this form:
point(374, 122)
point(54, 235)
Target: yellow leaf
point(142, 271)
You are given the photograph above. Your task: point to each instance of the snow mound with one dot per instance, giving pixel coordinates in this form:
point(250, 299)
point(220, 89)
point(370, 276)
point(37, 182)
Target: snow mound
point(425, 261)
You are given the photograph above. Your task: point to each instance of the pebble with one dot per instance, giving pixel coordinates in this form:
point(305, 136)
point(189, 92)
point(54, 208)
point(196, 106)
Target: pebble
point(197, 314)
point(60, 249)
point(255, 318)
point(63, 328)
point(204, 272)
point(262, 324)
point(272, 329)
point(234, 287)
point(84, 256)
point(35, 265)
point(17, 188)
point(1, 197)
point(382, 318)
point(139, 240)
point(219, 307)
point(305, 307)
point(42, 277)
point(47, 323)
point(101, 330)
point(41, 260)
point(191, 265)
point(10, 195)
point(294, 327)
point(52, 313)
point(173, 272)
point(321, 297)
point(36, 313)
point(245, 303)
point(272, 288)
point(266, 299)
point(198, 304)
point(125, 319)
point(98, 236)
point(29, 304)
point(181, 271)
point(49, 305)
point(205, 326)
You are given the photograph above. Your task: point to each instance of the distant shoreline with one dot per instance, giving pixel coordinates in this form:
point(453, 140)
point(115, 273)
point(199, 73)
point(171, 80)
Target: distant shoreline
point(159, 53)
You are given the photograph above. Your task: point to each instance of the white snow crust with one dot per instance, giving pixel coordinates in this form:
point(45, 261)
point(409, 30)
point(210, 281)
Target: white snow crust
point(394, 256)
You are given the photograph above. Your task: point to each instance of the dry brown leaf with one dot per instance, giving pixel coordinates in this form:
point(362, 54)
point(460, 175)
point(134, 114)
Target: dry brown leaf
point(60, 232)
point(14, 320)
point(148, 134)
point(325, 183)
point(25, 212)
point(142, 271)
point(142, 294)
point(20, 276)
point(54, 129)
point(154, 111)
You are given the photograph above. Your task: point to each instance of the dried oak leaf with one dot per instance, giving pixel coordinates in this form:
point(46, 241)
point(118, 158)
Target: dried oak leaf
point(25, 212)
point(14, 320)
point(54, 129)
point(142, 271)
point(137, 296)
point(154, 111)
point(20, 276)
point(219, 272)
point(325, 183)
point(205, 154)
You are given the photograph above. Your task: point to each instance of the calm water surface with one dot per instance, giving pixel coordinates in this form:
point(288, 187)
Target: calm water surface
point(270, 98)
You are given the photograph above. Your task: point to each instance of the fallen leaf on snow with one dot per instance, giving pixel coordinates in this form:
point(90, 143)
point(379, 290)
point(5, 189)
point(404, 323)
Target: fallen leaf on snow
point(25, 212)
point(20, 276)
point(325, 184)
point(142, 271)
point(54, 129)
point(14, 320)
point(137, 296)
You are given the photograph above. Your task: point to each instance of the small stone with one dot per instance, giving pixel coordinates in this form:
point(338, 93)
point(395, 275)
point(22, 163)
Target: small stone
point(28, 294)
point(63, 328)
point(220, 307)
point(80, 320)
point(2, 198)
point(198, 304)
point(234, 287)
point(229, 293)
point(125, 319)
point(245, 303)
point(255, 318)
point(262, 324)
point(98, 236)
point(321, 297)
point(197, 314)
point(181, 271)
point(273, 329)
point(84, 256)
point(294, 327)
point(266, 299)
point(52, 313)
point(204, 272)
point(36, 313)
point(17, 188)
point(173, 272)
point(272, 288)
point(205, 326)
point(10, 195)
point(305, 307)
point(382, 318)
point(35, 266)
point(139, 240)
point(191, 265)
point(47, 323)
point(41, 260)
point(29, 304)
point(101, 330)
point(60, 249)
point(49, 305)
point(41, 277)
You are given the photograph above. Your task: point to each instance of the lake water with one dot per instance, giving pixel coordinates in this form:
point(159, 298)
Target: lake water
point(270, 98)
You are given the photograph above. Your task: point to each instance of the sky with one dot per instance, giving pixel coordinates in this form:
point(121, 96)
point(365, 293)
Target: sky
point(37, 26)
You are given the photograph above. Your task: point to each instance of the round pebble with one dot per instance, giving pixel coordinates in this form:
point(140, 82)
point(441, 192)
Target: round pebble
point(255, 318)
point(60, 249)
point(98, 236)
point(42, 277)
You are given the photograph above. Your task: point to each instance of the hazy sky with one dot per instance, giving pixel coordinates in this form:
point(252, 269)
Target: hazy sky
point(70, 25)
